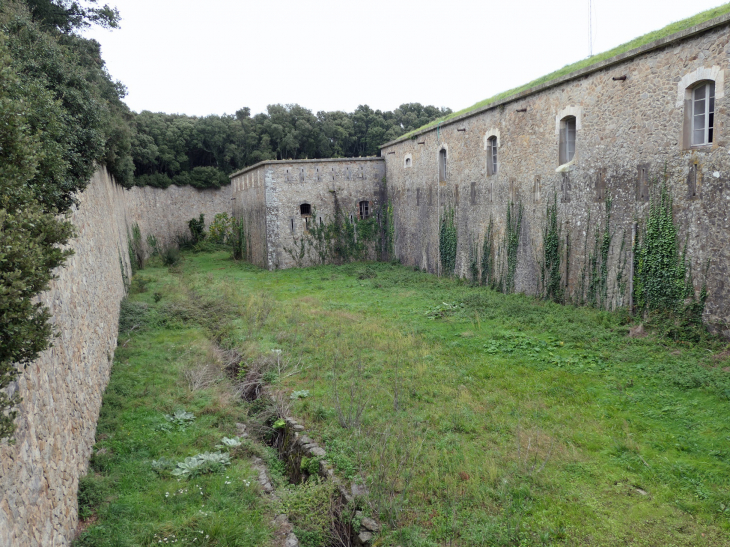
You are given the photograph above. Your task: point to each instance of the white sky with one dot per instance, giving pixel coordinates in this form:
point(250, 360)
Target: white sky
point(217, 56)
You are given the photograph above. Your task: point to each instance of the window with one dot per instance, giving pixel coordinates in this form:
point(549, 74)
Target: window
point(703, 113)
point(408, 162)
point(492, 156)
point(364, 210)
point(442, 165)
point(305, 209)
point(567, 139)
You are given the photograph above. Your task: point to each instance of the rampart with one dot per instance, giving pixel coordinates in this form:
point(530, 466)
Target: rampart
point(279, 201)
point(632, 122)
point(62, 389)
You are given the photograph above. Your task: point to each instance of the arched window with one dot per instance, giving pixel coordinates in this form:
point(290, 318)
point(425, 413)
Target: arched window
point(492, 165)
point(442, 165)
point(567, 139)
point(408, 162)
point(305, 209)
point(703, 113)
point(364, 210)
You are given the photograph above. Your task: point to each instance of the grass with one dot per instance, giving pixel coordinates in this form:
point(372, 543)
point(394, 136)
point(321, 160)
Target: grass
point(670, 29)
point(130, 497)
point(486, 419)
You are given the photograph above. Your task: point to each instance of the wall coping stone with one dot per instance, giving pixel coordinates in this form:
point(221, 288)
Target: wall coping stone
point(723, 20)
point(283, 162)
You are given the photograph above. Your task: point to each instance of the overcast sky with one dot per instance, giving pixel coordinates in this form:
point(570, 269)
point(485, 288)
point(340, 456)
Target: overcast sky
point(217, 56)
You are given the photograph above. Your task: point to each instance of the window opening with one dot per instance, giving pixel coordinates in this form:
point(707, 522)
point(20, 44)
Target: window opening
point(492, 156)
point(292, 224)
point(305, 209)
point(442, 165)
point(408, 162)
point(364, 210)
point(703, 113)
point(567, 139)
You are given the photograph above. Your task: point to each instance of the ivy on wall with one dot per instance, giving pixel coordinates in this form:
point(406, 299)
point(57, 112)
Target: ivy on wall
point(488, 260)
point(513, 229)
point(551, 277)
point(663, 283)
point(337, 241)
point(448, 239)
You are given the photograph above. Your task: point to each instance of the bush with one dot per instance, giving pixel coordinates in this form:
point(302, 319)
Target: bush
point(197, 229)
point(92, 492)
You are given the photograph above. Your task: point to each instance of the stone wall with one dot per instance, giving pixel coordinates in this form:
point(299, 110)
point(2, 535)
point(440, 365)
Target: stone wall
point(249, 204)
point(282, 187)
point(165, 213)
point(62, 389)
point(630, 135)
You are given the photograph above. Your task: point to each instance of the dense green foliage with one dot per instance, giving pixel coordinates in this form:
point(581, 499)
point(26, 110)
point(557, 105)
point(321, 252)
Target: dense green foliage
point(202, 151)
point(550, 272)
point(663, 283)
point(448, 240)
point(61, 115)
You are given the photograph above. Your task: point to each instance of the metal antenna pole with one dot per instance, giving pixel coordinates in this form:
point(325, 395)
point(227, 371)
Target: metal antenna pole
point(590, 28)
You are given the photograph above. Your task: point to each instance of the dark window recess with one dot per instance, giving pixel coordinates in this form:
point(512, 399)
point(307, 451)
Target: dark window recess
point(364, 210)
point(692, 182)
point(642, 182)
point(321, 222)
point(318, 175)
point(601, 185)
point(333, 173)
point(442, 166)
point(292, 224)
point(286, 177)
point(567, 139)
point(473, 193)
point(352, 220)
point(305, 209)
point(565, 188)
point(418, 196)
point(408, 162)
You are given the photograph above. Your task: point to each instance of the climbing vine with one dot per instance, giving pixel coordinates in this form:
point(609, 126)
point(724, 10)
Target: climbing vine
point(511, 245)
point(598, 263)
point(488, 267)
point(448, 242)
point(339, 240)
point(663, 284)
point(551, 274)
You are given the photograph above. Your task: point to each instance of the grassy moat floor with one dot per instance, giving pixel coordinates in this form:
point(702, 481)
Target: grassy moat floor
point(473, 417)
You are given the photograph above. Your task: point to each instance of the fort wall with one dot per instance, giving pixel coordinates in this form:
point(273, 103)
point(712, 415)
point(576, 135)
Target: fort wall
point(62, 389)
point(283, 187)
point(631, 134)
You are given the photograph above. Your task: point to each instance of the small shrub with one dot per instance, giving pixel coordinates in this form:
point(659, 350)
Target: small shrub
point(170, 255)
point(197, 229)
point(139, 285)
point(132, 316)
point(220, 229)
point(92, 492)
point(181, 418)
point(201, 464)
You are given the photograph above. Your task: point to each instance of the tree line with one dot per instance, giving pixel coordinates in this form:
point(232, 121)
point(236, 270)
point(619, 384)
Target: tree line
point(203, 151)
point(62, 115)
